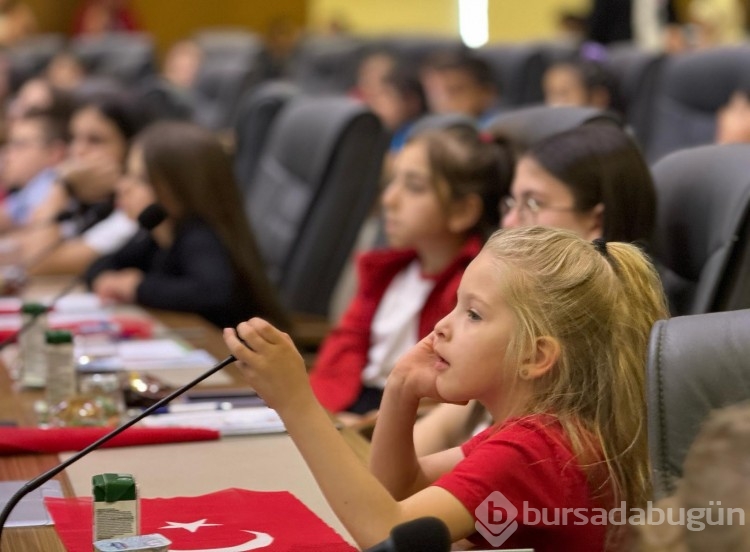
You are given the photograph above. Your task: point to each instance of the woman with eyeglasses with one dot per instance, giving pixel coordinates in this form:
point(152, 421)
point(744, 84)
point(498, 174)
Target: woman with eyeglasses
point(592, 180)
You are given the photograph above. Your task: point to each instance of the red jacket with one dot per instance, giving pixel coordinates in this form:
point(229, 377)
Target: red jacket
point(336, 377)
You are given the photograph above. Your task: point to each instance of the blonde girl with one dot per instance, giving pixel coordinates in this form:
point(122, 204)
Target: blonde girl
point(549, 334)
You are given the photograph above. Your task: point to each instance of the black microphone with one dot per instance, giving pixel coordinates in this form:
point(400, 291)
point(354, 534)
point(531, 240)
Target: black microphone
point(426, 534)
point(152, 216)
point(46, 476)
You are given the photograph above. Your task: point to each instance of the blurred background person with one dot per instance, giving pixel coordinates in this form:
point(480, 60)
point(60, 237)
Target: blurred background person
point(202, 257)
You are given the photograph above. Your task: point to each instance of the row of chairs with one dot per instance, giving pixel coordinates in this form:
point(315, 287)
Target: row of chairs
point(316, 178)
point(669, 105)
point(313, 162)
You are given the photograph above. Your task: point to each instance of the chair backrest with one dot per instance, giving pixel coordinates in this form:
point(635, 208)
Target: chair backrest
point(637, 72)
point(315, 183)
point(696, 364)
point(29, 58)
point(327, 64)
point(255, 115)
point(126, 56)
point(229, 44)
point(702, 237)
point(693, 87)
point(417, 49)
point(218, 90)
point(528, 125)
point(518, 71)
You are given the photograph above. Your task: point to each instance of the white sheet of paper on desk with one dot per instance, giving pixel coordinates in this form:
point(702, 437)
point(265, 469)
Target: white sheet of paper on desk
point(236, 421)
point(151, 349)
point(78, 302)
point(30, 511)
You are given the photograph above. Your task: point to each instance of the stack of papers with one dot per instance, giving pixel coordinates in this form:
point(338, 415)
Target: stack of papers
point(235, 421)
point(169, 360)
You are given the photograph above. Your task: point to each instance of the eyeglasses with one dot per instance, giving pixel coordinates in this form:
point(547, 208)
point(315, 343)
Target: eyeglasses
point(527, 206)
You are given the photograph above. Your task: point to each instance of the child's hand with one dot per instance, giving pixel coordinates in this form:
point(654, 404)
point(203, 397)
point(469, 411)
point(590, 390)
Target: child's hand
point(415, 371)
point(270, 362)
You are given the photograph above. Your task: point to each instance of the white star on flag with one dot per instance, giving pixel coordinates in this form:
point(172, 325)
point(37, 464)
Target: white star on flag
point(192, 527)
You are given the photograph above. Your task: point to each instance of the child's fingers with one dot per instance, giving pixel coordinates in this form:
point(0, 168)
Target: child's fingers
point(235, 345)
point(257, 333)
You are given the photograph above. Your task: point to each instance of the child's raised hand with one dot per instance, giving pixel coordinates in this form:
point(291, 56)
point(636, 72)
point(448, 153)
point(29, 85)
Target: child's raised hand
point(415, 371)
point(270, 362)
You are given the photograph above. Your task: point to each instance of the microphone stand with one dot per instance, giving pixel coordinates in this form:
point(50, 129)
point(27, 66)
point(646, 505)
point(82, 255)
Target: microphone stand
point(46, 476)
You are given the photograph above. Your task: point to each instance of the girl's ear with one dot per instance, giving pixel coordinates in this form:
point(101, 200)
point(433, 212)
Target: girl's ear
point(596, 222)
point(465, 213)
point(543, 357)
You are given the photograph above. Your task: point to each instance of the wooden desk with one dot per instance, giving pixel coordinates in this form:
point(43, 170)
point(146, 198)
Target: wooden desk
point(254, 462)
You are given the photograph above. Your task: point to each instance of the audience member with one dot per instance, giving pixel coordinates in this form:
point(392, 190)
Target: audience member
point(97, 17)
point(583, 83)
point(202, 258)
point(36, 144)
point(438, 207)
point(714, 479)
point(733, 119)
point(460, 83)
point(40, 94)
point(372, 72)
point(565, 386)
point(591, 180)
point(65, 71)
point(100, 128)
point(17, 22)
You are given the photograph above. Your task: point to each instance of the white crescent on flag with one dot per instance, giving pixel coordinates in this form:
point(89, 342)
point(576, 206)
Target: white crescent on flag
point(261, 540)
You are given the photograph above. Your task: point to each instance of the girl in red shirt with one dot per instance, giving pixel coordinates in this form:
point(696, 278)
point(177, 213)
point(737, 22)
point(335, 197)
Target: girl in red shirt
point(550, 335)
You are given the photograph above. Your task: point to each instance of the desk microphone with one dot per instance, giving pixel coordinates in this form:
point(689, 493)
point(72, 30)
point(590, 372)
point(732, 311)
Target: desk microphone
point(152, 216)
point(46, 476)
point(96, 214)
point(426, 534)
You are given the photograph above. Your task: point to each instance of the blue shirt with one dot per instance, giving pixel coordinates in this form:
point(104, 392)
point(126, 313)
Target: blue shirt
point(22, 203)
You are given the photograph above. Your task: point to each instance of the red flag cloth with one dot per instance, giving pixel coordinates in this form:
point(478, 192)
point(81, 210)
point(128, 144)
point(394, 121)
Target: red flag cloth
point(21, 440)
point(232, 520)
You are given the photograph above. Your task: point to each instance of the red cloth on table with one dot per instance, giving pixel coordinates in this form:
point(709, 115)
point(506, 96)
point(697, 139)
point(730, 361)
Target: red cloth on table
point(228, 519)
point(20, 440)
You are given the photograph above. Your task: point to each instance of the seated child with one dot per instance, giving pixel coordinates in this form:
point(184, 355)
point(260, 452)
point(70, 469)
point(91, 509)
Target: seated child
point(549, 334)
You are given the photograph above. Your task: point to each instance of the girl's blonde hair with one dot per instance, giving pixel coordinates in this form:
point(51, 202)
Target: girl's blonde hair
point(599, 302)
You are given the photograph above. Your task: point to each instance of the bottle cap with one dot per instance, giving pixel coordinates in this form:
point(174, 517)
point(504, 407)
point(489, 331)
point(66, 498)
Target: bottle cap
point(33, 308)
point(55, 337)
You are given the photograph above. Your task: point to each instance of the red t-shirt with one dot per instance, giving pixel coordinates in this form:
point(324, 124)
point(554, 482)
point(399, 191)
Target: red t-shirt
point(530, 462)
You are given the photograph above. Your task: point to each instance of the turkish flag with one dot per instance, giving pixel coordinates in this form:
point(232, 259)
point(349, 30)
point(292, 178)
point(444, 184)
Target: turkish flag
point(232, 520)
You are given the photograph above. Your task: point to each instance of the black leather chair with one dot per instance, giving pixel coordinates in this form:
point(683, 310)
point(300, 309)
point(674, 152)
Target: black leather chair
point(417, 49)
point(693, 87)
point(327, 64)
point(316, 181)
point(702, 238)
point(222, 45)
point(638, 72)
point(127, 57)
point(528, 125)
point(255, 115)
point(30, 57)
point(695, 364)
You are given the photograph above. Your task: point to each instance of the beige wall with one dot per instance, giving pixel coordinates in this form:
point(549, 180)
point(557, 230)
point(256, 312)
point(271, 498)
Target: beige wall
point(383, 16)
point(509, 19)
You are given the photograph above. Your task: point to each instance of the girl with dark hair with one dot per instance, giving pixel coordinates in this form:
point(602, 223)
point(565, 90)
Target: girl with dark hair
point(582, 82)
point(202, 257)
point(438, 208)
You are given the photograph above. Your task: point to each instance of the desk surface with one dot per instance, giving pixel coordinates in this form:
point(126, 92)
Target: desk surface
point(258, 462)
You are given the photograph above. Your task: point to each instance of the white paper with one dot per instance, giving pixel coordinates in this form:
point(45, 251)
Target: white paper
point(235, 421)
point(30, 511)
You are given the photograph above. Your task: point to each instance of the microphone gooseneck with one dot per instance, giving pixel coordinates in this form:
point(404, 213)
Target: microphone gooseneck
point(46, 476)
